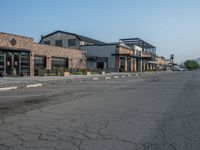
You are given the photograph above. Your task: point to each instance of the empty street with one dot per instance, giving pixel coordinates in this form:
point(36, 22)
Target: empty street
point(149, 112)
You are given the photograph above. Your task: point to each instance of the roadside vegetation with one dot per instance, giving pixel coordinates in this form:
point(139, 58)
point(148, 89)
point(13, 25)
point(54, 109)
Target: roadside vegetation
point(191, 65)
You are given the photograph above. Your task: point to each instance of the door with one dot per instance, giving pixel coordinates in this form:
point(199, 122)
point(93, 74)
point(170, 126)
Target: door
point(12, 64)
point(16, 64)
point(9, 63)
point(100, 65)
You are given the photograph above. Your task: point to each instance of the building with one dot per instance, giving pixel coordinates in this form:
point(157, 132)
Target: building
point(162, 63)
point(21, 56)
point(198, 60)
point(117, 57)
point(132, 54)
point(148, 56)
point(127, 55)
point(68, 40)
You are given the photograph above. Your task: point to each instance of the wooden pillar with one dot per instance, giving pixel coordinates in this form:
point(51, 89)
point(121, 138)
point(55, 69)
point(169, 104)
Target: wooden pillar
point(117, 63)
point(134, 64)
point(141, 65)
point(126, 64)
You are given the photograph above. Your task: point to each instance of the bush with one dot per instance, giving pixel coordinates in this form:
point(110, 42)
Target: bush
point(191, 65)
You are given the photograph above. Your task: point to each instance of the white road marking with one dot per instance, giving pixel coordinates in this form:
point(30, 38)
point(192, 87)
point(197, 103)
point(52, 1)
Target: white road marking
point(34, 85)
point(95, 78)
point(8, 88)
point(107, 78)
point(116, 77)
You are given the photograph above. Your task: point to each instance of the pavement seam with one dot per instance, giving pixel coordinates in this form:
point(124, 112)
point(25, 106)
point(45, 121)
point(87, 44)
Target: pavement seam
point(8, 88)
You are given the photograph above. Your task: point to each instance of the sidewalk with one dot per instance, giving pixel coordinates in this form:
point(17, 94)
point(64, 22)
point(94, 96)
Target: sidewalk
point(9, 83)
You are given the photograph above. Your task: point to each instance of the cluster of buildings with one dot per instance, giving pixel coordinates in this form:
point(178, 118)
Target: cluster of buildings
point(21, 56)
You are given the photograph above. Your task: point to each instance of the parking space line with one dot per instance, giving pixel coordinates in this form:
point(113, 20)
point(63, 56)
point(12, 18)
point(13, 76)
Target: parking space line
point(95, 78)
point(8, 88)
point(116, 77)
point(34, 85)
point(107, 78)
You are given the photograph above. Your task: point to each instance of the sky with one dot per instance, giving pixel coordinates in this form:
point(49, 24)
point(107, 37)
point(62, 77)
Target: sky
point(173, 26)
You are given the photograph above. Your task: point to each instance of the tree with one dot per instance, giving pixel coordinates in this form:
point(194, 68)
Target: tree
point(191, 64)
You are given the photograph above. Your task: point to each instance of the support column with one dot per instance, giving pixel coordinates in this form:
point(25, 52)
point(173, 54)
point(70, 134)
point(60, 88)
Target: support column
point(151, 67)
point(132, 65)
point(147, 65)
point(48, 62)
point(135, 64)
point(126, 64)
point(117, 63)
point(141, 65)
point(31, 64)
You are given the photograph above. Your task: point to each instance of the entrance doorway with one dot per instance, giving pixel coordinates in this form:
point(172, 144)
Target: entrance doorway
point(14, 63)
point(100, 65)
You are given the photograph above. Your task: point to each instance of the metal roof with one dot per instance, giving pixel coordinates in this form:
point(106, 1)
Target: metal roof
point(80, 37)
point(138, 42)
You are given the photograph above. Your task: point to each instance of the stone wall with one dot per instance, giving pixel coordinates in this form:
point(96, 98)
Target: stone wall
point(14, 42)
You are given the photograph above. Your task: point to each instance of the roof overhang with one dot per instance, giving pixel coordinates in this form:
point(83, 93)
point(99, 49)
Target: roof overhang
point(14, 49)
point(118, 54)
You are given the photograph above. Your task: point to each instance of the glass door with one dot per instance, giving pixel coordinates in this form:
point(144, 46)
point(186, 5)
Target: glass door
point(1, 62)
point(12, 64)
point(9, 63)
point(16, 64)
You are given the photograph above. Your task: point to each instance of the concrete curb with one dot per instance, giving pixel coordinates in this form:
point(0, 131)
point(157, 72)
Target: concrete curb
point(34, 84)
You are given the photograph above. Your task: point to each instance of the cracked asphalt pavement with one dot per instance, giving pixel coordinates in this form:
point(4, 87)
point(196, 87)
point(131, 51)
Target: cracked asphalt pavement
point(154, 112)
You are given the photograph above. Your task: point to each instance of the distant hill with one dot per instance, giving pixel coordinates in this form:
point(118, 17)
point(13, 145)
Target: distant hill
point(198, 60)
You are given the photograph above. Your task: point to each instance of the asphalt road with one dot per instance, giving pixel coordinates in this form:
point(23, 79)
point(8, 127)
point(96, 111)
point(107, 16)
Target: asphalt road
point(157, 112)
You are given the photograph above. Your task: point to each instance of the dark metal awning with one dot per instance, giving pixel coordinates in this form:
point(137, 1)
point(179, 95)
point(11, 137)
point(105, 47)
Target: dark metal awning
point(97, 59)
point(118, 54)
point(14, 49)
point(135, 56)
point(148, 58)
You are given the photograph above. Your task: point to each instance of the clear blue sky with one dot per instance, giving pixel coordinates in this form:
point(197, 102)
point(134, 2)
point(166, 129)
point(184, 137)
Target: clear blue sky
point(173, 26)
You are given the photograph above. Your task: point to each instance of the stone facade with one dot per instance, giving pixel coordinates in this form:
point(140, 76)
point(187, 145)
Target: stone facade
point(76, 58)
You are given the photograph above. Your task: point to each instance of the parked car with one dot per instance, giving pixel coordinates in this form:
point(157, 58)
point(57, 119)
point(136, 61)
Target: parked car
point(177, 68)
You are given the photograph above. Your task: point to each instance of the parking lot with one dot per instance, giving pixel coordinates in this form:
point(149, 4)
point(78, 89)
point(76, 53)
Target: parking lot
point(159, 111)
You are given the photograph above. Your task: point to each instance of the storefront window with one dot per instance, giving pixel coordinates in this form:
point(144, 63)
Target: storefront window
point(25, 63)
point(1, 62)
point(39, 64)
point(59, 63)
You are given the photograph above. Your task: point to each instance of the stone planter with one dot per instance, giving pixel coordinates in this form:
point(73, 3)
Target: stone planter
point(66, 74)
point(103, 72)
point(88, 73)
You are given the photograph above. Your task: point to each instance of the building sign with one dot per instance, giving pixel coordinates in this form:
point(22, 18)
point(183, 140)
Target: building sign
point(13, 42)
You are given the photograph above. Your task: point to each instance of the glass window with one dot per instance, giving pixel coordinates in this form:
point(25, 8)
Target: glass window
point(25, 63)
point(39, 62)
point(46, 42)
point(59, 63)
point(138, 53)
point(58, 43)
point(72, 42)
